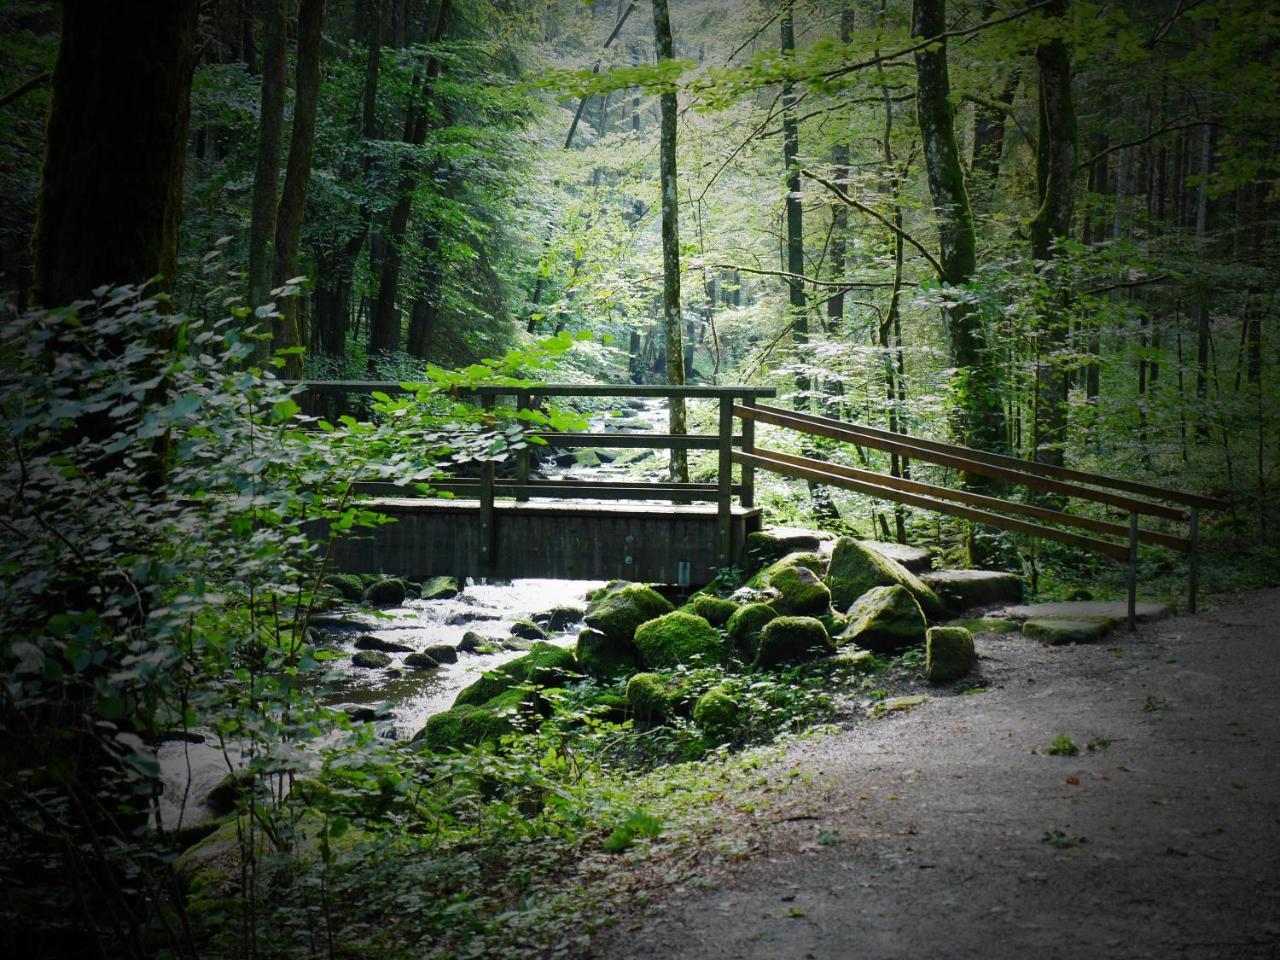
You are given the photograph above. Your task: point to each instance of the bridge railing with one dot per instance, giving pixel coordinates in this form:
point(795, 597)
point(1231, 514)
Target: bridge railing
point(1048, 478)
point(488, 487)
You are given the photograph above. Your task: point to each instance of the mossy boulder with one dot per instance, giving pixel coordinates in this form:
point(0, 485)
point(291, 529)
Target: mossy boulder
point(949, 653)
point(528, 630)
point(421, 661)
point(472, 642)
point(984, 625)
point(346, 585)
point(560, 618)
point(370, 641)
point(764, 547)
point(370, 660)
point(802, 593)
point(608, 705)
point(967, 589)
point(810, 561)
point(717, 712)
point(617, 612)
point(1056, 631)
point(544, 664)
point(441, 652)
point(885, 619)
point(464, 726)
point(605, 658)
point(856, 568)
point(439, 588)
point(677, 638)
point(792, 640)
point(656, 697)
point(387, 592)
point(744, 627)
point(853, 660)
point(712, 609)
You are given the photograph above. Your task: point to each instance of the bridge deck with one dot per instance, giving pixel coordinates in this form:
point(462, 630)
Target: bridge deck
point(573, 540)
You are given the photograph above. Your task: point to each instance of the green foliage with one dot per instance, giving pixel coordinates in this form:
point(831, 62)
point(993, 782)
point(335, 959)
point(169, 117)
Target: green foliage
point(1062, 746)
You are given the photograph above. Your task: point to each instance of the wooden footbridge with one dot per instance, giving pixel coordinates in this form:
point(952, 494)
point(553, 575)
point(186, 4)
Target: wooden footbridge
point(682, 533)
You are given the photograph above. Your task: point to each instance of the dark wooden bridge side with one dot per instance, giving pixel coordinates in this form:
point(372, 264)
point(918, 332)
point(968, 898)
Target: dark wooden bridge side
point(525, 526)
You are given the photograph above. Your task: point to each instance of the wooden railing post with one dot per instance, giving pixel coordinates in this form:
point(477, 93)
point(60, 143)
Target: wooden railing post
point(488, 538)
point(748, 446)
point(1193, 561)
point(1133, 572)
point(524, 401)
point(724, 499)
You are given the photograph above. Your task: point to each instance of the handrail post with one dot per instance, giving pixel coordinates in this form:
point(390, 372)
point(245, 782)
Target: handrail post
point(748, 446)
point(1133, 572)
point(1193, 560)
point(724, 499)
point(488, 540)
point(524, 401)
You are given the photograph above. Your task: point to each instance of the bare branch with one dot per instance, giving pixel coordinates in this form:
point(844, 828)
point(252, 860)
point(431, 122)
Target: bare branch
point(12, 95)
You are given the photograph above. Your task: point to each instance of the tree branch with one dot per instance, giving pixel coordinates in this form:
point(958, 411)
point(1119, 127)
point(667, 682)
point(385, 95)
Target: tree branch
point(841, 284)
point(1169, 128)
point(12, 95)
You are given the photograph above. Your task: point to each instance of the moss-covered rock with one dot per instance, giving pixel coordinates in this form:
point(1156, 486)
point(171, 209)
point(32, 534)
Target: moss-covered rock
point(421, 661)
point(810, 561)
point(656, 697)
point(792, 640)
point(853, 660)
point(370, 660)
point(677, 638)
point(802, 593)
point(441, 652)
point(856, 568)
point(744, 627)
point(764, 547)
point(605, 658)
point(560, 618)
point(885, 619)
point(1056, 631)
point(608, 705)
point(465, 726)
point(984, 625)
point(439, 588)
point(712, 609)
point(544, 664)
point(835, 623)
point(949, 653)
point(617, 612)
point(717, 712)
point(346, 585)
point(967, 589)
point(472, 642)
point(387, 592)
point(370, 641)
point(528, 630)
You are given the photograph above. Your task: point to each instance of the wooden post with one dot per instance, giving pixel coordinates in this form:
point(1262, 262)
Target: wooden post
point(1133, 572)
point(524, 401)
point(724, 499)
point(488, 540)
point(1193, 561)
point(748, 446)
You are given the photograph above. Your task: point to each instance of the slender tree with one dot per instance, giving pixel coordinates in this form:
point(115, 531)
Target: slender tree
point(794, 211)
point(266, 179)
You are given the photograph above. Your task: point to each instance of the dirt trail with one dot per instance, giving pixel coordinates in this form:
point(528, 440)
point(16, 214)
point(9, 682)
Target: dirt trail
point(949, 832)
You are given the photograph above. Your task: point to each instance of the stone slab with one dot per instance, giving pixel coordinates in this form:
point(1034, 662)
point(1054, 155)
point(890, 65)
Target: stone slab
point(1082, 610)
point(967, 589)
point(915, 559)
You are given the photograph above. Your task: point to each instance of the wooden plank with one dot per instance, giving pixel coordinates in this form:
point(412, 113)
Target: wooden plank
point(1115, 550)
point(748, 446)
point(1028, 466)
point(523, 456)
point(628, 390)
point(653, 441)
point(724, 477)
point(488, 521)
point(978, 500)
point(805, 424)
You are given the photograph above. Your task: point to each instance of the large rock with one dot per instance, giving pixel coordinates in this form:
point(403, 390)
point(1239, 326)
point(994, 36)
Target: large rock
point(744, 627)
point(885, 619)
point(792, 640)
point(656, 697)
point(967, 589)
point(347, 586)
point(811, 561)
point(440, 588)
point(717, 712)
point(773, 543)
point(421, 661)
point(544, 664)
point(388, 592)
point(605, 658)
point(856, 568)
point(802, 593)
point(371, 642)
point(371, 660)
point(464, 726)
point(441, 652)
point(948, 653)
point(527, 630)
point(561, 618)
point(617, 612)
point(712, 609)
point(1056, 631)
point(677, 638)
point(1113, 610)
point(915, 559)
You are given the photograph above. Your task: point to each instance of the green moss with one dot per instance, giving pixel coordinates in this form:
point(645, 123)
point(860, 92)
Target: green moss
point(712, 609)
point(677, 638)
point(1056, 631)
point(347, 586)
point(371, 660)
point(545, 664)
point(717, 712)
point(387, 592)
point(949, 653)
point(655, 697)
point(984, 625)
point(885, 619)
point(792, 639)
point(609, 705)
point(856, 568)
point(745, 625)
point(853, 660)
point(465, 726)
point(527, 630)
point(810, 561)
point(605, 658)
point(618, 612)
point(803, 594)
point(439, 588)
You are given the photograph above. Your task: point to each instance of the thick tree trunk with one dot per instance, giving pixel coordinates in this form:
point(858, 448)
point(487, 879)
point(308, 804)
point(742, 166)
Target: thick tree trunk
point(111, 189)
point(266, 179)
point(670, 240)
point(794, 211)
point(287, 331)
point(1055, 170)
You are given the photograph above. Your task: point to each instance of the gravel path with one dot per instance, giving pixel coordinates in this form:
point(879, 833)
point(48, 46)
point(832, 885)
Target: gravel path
point(948, 831)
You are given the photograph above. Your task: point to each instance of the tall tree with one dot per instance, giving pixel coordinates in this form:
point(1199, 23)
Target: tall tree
point(266, 178)
point(286, 331)
point(670, 238)
point(111, 188)
point(799, 317)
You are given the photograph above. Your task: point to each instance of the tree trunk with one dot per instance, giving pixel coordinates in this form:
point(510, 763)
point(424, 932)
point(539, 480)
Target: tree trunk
point(287, 331)
point(266, 178)
point(795, 212)
point(1055, 170)
point(111, 189)
point(670, 240)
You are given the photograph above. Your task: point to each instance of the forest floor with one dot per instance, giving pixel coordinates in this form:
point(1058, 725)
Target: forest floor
point(951, 831)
